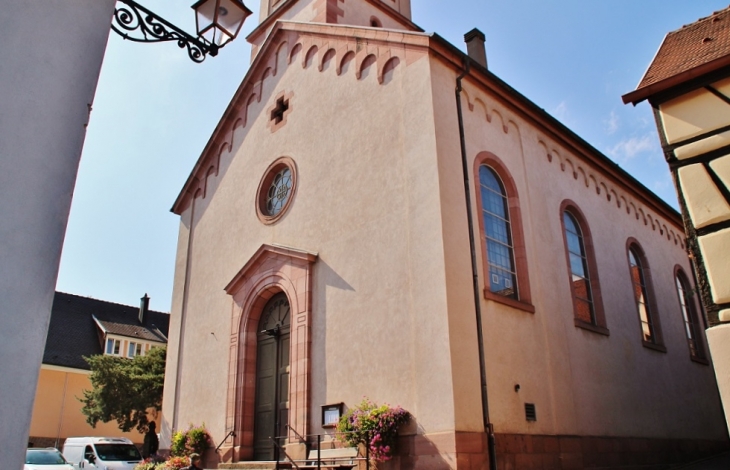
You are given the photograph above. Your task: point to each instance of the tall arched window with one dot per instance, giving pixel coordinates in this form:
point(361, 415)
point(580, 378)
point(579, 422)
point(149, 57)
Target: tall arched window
point(643, 296)
point(506, 278)
point(689, 315)
point(498, 231)
point(584, 285)
point(580, 277)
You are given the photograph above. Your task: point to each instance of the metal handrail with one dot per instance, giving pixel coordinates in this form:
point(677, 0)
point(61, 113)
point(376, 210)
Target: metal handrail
point(297, 434)
point(230, 433)
point(281, 449)
point(319, 445)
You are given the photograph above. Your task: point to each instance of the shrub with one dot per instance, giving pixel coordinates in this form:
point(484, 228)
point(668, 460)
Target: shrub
point(146, 464)
point(175, 463)
point(195, 439)
point(374, 426)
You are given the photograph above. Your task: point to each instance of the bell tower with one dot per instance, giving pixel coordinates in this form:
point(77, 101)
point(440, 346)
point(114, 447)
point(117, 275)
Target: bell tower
point(269, 7)
point(401, 6)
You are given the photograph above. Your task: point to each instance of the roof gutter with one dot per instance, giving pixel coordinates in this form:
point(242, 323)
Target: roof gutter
point(488, 426)
point(637, 96)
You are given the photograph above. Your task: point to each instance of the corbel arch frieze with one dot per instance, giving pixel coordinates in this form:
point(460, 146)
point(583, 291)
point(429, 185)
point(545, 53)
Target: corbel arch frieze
point(272, 269)
point(581, 172)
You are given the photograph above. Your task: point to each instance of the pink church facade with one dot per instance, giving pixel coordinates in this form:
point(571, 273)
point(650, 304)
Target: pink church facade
point(324, 255)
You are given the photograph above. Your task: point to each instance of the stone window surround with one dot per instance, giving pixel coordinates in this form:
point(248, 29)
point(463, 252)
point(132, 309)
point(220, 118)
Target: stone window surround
point(518, 239)
point(272, 269)
point(261, 192)
point(600, 326)
point(701, 356)
point(651, 303)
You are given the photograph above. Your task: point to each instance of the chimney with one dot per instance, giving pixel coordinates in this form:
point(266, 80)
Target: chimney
point(475, 47)
point(144, 307)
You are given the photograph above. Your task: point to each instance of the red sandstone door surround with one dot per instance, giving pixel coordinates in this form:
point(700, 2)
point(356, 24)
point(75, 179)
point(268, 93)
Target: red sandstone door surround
point(271, 270)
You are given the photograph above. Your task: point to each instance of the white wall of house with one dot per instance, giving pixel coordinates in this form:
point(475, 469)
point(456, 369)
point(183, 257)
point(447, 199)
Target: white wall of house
point(51, 57)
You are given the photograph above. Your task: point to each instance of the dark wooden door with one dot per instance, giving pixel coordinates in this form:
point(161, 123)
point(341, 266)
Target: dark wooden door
point(272, 377)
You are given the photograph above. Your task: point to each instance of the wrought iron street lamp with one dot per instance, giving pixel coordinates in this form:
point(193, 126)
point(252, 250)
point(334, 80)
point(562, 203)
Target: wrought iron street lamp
point(218, 22)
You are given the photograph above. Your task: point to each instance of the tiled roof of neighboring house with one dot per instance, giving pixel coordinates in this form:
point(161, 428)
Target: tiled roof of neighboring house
point(73, 333)
point(703, 44)
point(133, 331)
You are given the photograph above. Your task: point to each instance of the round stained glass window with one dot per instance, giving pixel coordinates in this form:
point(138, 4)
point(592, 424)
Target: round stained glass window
point(276, 190)
point(279, 191)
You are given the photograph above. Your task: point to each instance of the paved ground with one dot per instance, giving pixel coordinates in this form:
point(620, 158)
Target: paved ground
point(720, 462)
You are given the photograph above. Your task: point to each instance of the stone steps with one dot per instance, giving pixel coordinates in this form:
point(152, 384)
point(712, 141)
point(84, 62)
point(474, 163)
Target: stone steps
point(253, 466)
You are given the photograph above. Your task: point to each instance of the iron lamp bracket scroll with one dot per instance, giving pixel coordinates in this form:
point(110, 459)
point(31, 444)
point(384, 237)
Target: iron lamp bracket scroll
point(219, 22)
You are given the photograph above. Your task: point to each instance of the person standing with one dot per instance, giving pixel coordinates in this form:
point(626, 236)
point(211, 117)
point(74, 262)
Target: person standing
point(151, 442)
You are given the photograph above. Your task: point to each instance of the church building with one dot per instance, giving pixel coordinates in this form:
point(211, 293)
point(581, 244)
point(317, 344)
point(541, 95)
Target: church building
point(377, 214)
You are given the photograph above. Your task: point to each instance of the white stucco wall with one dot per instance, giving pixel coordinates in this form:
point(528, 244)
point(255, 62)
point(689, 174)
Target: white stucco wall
point(581, 382)
point(50, 61)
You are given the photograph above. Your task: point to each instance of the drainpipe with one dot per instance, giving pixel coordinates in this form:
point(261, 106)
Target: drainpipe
point(488, 427)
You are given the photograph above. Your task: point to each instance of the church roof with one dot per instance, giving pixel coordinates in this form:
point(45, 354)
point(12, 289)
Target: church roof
point(73, 332)
point(689, 52)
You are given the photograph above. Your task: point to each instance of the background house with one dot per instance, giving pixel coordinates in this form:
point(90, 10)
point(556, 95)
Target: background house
point(331, 248)
point(81, 326)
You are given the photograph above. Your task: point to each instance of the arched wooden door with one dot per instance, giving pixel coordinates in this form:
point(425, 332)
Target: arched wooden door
point(272, 376)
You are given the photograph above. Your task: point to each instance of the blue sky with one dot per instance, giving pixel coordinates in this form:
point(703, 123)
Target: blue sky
point(155, 109)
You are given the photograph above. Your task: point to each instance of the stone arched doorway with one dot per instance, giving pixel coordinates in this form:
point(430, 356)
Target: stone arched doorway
point(271, 411)
point(271, 272)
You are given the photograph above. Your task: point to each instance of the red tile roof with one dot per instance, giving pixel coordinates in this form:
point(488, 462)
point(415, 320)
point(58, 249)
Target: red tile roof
point(702, 43)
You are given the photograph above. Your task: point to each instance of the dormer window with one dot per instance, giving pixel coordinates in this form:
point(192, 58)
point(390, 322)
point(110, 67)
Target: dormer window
point(113, 346)
point(135, 349)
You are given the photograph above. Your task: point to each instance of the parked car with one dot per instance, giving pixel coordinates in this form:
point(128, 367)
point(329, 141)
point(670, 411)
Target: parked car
point(101, 453)
point(45, 459)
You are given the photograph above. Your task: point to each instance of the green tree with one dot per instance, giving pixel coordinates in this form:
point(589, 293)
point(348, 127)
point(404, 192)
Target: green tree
point(124, 389)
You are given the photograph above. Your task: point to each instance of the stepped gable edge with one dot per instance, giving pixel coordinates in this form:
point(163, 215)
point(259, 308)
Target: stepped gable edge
point(366, 46)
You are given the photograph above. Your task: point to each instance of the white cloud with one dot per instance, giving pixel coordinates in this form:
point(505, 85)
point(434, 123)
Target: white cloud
point(612, 123)
point(561, 111)
point(628, 149)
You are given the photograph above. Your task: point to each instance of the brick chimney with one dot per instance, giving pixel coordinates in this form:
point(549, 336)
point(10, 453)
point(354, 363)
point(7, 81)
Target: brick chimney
point(475, 47)
point(144, 307)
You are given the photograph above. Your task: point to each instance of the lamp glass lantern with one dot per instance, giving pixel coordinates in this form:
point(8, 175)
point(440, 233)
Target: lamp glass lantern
point(219, 21)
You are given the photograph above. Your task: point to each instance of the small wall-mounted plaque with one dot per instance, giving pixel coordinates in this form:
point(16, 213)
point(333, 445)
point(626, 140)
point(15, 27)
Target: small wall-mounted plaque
point(331, 415)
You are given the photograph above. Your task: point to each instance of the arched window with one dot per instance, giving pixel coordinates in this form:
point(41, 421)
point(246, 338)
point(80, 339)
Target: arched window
point(580, 277)
point(498, 232)
point(584, 285)
point(643, 296)
point(503, 244)
point(689, 315)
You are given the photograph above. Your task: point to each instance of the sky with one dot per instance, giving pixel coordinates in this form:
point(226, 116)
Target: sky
point(155, 109)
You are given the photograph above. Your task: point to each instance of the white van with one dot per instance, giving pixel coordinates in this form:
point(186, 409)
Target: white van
point(101, 453)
